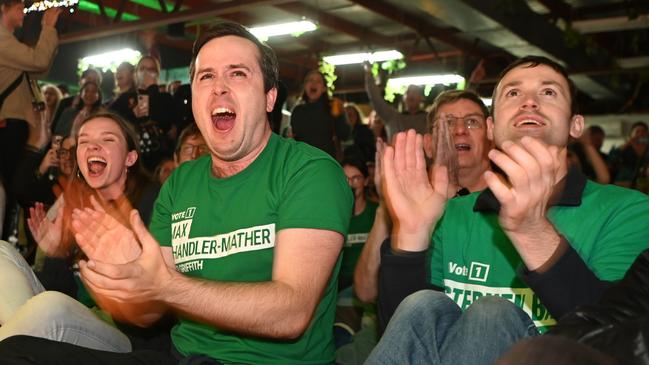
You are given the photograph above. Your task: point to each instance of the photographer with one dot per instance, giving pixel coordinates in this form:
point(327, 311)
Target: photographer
point(19, 65)
point(152, 112)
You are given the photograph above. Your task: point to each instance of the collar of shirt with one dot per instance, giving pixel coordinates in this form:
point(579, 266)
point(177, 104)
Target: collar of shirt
point(573, 186)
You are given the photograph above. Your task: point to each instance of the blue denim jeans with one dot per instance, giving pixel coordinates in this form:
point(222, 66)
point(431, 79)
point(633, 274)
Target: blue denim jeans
point(429, 328)
point(27, 309)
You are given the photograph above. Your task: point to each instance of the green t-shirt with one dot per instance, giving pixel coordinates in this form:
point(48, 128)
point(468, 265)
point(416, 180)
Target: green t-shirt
point(472, 257)
point(359, 228)
point(224, 230)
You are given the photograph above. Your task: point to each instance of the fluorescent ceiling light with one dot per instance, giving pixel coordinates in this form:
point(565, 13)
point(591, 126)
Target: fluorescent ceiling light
point(295, 28)
point(347, 59)
point(447, 79)
point(110, 60)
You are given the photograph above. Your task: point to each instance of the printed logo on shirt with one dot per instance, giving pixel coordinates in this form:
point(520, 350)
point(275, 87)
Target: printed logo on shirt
point(355, 238)
point(187, 250)
point(185, 214)
point(465, 294)
point(477, 272)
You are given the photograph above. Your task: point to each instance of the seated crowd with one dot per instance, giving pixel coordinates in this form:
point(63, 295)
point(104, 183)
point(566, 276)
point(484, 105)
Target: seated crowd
point(452, 234)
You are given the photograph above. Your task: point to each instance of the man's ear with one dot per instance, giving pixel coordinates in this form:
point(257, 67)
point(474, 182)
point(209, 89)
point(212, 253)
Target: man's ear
point(490, 128)
point(576, 126)
point(271, 96)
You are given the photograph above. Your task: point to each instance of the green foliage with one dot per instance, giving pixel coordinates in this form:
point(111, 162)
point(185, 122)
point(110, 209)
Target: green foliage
point(329, 72)
point(390, 67)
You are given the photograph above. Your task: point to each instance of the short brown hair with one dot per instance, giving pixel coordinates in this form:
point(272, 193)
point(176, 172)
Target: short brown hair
point(451, 96)
point(534, 61)
point(267, 58)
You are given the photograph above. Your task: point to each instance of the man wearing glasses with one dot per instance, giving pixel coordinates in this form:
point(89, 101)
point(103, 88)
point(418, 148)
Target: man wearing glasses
point(465, 114)
point(504, 263)
point(191, 145)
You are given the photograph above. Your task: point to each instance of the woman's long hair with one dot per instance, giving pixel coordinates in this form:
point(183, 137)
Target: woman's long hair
point(77, 193)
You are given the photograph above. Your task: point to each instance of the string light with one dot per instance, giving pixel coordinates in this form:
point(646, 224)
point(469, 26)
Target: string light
point(47, 4)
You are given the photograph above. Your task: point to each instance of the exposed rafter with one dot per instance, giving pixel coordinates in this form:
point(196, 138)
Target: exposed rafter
point(336, 23)
point(206, 11)
point(418, 24)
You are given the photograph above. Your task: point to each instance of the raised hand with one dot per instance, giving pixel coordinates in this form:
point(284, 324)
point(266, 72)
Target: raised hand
point(415, 201)
point(532, 169)
point(102, 237)
point(51, 159)
point(51, 16)
point(46, 232)
point(130, 291)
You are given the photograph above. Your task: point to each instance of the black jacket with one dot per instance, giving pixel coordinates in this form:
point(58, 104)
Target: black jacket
point(619, 323)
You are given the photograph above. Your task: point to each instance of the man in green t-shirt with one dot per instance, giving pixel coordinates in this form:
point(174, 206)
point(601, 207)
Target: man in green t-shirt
point(508, 261)
point(243, 248)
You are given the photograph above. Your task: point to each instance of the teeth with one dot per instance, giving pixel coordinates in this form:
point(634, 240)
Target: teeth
point(462, 146)
point(222, 110)
point(528, 121)
point(96, 159)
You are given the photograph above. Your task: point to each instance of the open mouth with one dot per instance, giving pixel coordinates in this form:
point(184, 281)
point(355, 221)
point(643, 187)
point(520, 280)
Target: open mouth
point(462, 147)
point(529, 123)
point(223, 118)
point(96, 166)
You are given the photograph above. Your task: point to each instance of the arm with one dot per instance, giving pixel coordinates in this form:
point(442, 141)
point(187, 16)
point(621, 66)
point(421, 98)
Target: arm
point(281, 308)
point(366, 274)
point(627, 300)
point(388, 114)
point(532, 169)
point(568, 283)
point(20, 56)
point(595, 159)
point(400, 274)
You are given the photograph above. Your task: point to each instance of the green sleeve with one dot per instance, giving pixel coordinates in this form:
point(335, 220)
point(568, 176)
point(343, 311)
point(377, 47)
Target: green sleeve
point(316, 196)
point(624, 234)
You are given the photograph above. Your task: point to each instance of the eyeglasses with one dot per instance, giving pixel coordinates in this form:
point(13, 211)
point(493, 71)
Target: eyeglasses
point(64, 152)
point(471, 121)
point(355, 179)
point(188, 149)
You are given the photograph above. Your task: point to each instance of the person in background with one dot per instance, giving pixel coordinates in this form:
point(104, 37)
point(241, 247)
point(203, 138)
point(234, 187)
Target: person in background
point(20, 65)
point(164, 170)
point(628, 161)
point(412, 116)
point(173, 86)
point(72, 101)
point(124, 81)
point(318, 120)
point(106, 176)
point(353, 316)
point(584, 154)
point(377, 126)
point(152, 112)
point(191, 145)
point(363, 142)
point(89, 103)
point(51, 96)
